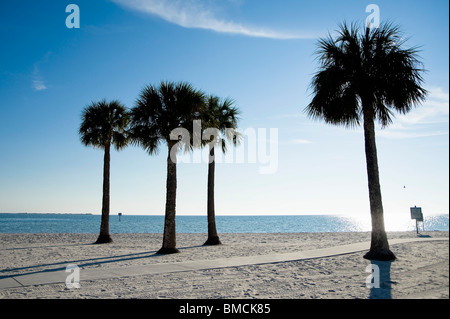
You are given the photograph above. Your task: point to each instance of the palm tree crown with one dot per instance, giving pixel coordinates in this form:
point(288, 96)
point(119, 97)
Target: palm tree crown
point(369, 70)
point(161, 109)
point(104, 123)
point(223, 116)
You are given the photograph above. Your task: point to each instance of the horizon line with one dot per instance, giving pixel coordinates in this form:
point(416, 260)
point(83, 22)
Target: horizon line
point(204, 215)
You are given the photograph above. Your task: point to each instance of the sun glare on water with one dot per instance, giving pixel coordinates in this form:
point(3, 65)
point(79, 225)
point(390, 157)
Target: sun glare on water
point(396, 222)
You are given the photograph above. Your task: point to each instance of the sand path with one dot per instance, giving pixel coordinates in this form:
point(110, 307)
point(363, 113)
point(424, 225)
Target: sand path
point(59, 274)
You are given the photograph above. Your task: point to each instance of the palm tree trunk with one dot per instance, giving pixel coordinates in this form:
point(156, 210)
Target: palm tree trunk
point(379, 248)
point(169, 237)
point(213, 238)
point(104, 236)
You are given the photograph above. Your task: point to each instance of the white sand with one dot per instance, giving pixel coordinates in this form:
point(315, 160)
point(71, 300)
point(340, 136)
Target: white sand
point(421, 270)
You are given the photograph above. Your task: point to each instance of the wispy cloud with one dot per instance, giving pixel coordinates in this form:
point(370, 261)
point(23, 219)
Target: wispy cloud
point(37, 82)
point(434, 110)
point(301, 141)
point(196, 14)
point(288, 116)
point(429, 119)
point(404, 134)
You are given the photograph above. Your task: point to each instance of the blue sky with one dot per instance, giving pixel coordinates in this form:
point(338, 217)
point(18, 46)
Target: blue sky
point(260, 53)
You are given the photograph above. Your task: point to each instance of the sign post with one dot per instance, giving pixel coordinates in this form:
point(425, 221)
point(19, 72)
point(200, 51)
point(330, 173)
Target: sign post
point(416, 213)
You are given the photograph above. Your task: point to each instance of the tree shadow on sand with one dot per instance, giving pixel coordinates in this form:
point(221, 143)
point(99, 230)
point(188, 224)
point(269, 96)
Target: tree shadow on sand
point(381, 284)
point(96, 261)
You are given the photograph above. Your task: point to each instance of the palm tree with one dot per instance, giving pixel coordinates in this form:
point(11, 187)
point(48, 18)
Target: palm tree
point(158, 111)
point(365, 77)
point(104, 124)
point(218, 117)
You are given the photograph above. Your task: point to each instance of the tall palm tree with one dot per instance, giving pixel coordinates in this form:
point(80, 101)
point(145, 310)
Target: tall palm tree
point(218, 117)
point(104, 124)
point(158, 111)
point(365, 76)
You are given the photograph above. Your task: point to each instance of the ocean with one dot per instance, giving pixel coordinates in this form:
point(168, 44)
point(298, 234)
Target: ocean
point(85, 223)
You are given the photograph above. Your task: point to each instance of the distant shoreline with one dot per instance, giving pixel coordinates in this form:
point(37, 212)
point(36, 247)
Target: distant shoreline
point(223, 215)
point(26, 213)
point(90, 223)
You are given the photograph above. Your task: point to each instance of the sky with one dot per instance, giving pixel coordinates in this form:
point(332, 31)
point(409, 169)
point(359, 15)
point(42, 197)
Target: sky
point(260, 53)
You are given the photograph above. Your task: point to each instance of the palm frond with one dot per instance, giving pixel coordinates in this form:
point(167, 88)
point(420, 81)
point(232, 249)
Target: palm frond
point(161, 109)
point(371, 67)
point(222, 115)
point(104, 123)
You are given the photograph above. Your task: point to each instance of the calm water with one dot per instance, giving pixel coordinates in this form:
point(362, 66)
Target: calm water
point(73, 223)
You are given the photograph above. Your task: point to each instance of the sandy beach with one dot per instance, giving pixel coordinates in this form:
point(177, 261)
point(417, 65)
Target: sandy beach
point(420, 271)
